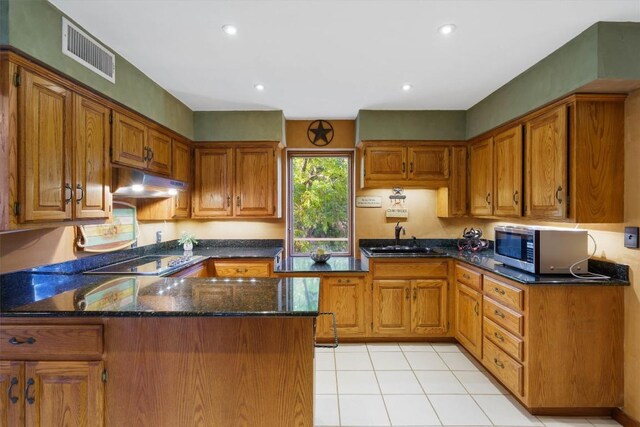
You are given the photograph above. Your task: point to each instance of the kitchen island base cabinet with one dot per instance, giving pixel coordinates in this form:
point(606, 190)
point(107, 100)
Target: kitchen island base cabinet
point(209, 371)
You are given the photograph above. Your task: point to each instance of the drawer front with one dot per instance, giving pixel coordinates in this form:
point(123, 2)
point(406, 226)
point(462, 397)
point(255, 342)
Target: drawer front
point(507, 370)
point(505, 294)
point(343, 280)
point(469, 277)
point(509, 319)
point(508, 342)
point(409, 269)
point(245, 269)
point(50, 342)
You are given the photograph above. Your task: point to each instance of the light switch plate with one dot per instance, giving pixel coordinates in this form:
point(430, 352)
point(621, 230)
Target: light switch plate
point(631, 237)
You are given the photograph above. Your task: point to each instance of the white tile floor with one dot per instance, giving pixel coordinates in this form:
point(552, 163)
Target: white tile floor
point(417, 385)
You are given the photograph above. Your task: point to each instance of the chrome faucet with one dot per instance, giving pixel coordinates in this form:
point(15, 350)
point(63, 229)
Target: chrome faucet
point(399, 229)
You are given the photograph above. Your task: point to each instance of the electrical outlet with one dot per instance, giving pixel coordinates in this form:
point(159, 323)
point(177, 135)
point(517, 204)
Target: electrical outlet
point(158, 236)
point(631, 237)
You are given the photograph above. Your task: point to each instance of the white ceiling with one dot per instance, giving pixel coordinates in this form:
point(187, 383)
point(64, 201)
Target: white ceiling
point(331, 58)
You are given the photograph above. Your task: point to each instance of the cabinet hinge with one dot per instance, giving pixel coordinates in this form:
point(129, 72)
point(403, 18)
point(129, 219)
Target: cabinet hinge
point(16, 208)
point(105, 375)
point(17, 79)
point(110, 118)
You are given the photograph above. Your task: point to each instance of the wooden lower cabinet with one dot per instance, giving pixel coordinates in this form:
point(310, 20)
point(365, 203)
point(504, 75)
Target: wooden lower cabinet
point(429, 306)
point(46, 393)
point(346, 298)
point(468, 303)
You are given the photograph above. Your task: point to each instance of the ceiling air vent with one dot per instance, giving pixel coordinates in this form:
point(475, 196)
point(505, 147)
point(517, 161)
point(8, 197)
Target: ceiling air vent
point(81, 47)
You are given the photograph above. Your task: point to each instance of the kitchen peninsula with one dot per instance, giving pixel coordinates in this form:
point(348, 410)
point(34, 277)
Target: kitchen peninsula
point(165, 351)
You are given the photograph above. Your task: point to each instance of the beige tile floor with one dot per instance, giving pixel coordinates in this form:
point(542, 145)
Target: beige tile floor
point(417, 385)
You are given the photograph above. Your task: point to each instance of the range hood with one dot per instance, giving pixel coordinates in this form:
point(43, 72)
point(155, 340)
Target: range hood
point(138, 184)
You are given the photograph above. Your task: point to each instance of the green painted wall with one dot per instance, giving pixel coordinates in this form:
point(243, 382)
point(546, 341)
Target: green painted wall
point(238, 125)
point(380, 125)
point(619, 50)
point(35, 27)
point(4, 22)
point(571, 66)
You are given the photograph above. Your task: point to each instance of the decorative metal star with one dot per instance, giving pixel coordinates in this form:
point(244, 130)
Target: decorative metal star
point(320, 132)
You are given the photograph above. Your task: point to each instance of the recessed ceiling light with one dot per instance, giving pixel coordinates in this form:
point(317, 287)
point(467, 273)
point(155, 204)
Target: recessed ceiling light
point(137, 188)
point(447, 29)
point(230, 29)
point(259, 86)
point(407, 87)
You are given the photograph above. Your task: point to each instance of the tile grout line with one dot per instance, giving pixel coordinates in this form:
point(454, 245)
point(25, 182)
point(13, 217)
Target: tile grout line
point(375, 374)
point(335, 374)
point(422, 388)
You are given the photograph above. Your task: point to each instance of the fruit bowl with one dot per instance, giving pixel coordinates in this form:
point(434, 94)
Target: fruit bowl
point(320, 258)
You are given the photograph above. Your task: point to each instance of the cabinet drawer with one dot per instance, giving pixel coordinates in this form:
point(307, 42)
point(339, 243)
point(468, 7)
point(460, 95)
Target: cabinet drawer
point(469, 277)
point(244, 269)
point(50, 342)
point(504, 316)
point(508, 342)
point(409, 269)
point(343, 280)
point(506, 294)
point(507, 370)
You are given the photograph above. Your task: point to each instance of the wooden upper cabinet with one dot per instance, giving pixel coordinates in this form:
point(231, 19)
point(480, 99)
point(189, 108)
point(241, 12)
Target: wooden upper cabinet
point(452, 200)
point(158, 152)
point(429, 306)
point(428, 163)
point(44, 147)
point(11, 399)
point(213, 181)
point(546, 165)
point(129, 141)
point(254, 181)
point(385, 163)
point(391, 307)
point(64, 394)
point(181, 164)
point(481, 177)
point(507, 182)
point(92, 165)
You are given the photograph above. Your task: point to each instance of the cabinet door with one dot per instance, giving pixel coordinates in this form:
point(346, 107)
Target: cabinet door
point(64, 394)
point(385, 163)
point(507, 149)
point(452, 200)
point(212, 182)
point(92, 166)
point(546, 165)
point(481, 177)
point(11, 397)
point(129, 141)
point(181, 170)
point(429, 163)
point(44, 117)
point(254, 181)
point(469, 319)
point(429, 306)
point(346, 298)
point(391, 307)
point(159, 152)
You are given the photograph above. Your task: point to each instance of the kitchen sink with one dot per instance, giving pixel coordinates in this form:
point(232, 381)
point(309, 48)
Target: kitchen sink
point(402, 250)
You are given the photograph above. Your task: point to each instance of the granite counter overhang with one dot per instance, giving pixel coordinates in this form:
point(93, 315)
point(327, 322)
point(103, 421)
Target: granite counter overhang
point(142, 296)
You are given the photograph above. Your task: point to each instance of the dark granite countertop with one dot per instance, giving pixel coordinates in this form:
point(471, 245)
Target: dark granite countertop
point(157, 296)
point(333, 265)
point(619, 273)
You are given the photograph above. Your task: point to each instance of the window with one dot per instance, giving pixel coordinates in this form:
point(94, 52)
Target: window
point(320, 186)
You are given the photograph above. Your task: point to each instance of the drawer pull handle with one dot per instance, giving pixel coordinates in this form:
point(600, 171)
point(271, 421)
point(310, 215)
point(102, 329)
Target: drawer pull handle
point(30, 400)
point(476, 308)
point(466, 276)
point(497, 335)
point(498, 363)
point(241, 270)
point(415, 294)
point(15, 341)
point(406, 293)
point(499, 291)
point(344, 280)
point(498, 313)
point(12, 398)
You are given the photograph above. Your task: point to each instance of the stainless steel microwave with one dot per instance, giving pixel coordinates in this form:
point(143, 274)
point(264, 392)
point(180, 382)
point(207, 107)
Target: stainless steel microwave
point(542, 250)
